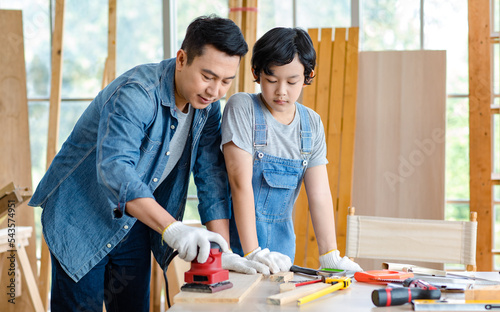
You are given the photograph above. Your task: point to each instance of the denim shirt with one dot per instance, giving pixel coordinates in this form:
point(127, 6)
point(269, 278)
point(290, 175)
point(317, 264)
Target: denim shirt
point(117, 152)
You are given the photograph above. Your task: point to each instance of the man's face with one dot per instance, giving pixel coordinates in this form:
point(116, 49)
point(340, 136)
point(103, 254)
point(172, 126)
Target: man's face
point(205, 80)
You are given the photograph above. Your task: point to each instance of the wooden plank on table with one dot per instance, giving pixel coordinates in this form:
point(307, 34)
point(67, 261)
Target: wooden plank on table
point(483, 293)
point(480, 152)
point(348, 137)
point(297, 293)
point(301, 214)
point(15, 158)
point(242, 285)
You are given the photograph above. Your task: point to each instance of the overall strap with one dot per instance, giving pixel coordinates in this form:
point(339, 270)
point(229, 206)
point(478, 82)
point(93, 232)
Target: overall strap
point(305, 130)
point(260, 126)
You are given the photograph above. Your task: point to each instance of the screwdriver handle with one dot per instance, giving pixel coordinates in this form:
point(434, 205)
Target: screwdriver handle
point(397, 296)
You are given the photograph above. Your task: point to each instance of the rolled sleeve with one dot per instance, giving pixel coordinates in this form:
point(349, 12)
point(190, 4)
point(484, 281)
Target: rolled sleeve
point(124, 119)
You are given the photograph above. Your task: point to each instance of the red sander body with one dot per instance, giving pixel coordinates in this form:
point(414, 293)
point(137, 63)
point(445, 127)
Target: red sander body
point(208, 277)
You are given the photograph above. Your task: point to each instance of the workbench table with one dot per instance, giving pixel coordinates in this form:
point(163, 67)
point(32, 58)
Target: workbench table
point(356, 298)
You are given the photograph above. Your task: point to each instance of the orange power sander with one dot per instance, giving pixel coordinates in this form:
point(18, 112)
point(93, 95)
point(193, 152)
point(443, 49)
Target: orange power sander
point(208, 277)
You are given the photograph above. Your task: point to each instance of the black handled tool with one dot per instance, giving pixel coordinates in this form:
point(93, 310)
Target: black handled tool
point(397, 296)
point(330, 272)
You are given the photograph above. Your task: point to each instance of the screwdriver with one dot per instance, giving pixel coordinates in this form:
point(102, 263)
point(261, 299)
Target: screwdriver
point(397, 296)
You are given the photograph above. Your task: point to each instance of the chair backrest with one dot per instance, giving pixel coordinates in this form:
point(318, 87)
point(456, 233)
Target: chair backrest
point(333, 96)
point(437, 241)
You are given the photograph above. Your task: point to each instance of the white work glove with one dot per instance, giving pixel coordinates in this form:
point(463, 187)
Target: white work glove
point(234, 262)
point(274, 260)
point(186, 239)
point(332, 260)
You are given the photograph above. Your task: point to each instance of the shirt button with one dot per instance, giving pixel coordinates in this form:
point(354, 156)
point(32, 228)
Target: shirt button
point(108, 245)
point(125, 227)
point(172, 127)
point(167, 153)
point(155, 180)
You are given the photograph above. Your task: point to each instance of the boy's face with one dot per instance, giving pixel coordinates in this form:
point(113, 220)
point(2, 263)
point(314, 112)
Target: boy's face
point(205, 80)
point(282, 89)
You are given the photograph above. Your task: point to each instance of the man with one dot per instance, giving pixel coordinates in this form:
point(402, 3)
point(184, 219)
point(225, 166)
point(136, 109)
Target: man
point(118, 185)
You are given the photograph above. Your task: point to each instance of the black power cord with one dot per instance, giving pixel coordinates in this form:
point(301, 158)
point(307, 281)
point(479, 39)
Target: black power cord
point(170, 258)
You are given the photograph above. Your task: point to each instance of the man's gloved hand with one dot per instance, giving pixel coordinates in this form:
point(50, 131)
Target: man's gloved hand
point(332, 260)
point(274, 260)
point(234, 262)
point(186, 239)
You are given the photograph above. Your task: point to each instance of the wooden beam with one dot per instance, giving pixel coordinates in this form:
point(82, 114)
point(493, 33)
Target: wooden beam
point(53, 133)
point(249, 29)
point(235, 16)
point(109, 72)
point(15, 158)
point(346, 170)
point(480, 152)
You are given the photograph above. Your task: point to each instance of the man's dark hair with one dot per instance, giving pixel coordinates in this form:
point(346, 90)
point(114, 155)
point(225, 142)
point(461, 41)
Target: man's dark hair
point(222, 33)
point(279, 46)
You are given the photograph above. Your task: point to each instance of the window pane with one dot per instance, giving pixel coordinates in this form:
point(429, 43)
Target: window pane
point(323, 13)
point(188, 10)
point(38, 113)
point(457, 148)
point(274, 13)
point(85, 41)
point(139, 33)
point(445, 28)
point(70, 113)
point(390, 25)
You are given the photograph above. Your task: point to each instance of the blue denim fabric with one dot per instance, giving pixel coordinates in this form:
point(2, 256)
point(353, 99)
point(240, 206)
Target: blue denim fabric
point(121, 279)
point(116, 153)
point(276, 183)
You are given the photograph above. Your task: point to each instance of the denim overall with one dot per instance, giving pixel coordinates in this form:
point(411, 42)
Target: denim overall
point(276, 182)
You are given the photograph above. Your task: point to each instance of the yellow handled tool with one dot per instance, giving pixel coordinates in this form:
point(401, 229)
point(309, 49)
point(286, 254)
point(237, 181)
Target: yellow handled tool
point(337, 283)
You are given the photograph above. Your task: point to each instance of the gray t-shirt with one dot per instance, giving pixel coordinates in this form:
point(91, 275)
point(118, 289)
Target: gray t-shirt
point(282, 140)
point(178, 141)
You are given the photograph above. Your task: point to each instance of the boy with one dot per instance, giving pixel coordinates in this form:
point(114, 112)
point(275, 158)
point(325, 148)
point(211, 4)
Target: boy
point(119, 183)
point(270, 144)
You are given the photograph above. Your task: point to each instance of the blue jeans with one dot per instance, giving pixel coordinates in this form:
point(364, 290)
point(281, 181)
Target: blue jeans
point(121, 280)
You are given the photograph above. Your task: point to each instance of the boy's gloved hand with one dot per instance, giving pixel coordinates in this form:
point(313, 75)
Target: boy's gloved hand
point(332, 260)
point(234, 262)
point(186, 239)
point(274, 260)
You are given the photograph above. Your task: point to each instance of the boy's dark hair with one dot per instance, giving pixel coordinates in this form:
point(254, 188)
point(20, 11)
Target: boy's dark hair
point(221, 33)
point(279, 46)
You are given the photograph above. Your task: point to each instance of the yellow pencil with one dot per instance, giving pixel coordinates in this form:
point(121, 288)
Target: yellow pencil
point(340, 283)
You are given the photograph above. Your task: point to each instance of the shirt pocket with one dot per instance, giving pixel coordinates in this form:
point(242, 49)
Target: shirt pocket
point(149, 150)
point(276, 193)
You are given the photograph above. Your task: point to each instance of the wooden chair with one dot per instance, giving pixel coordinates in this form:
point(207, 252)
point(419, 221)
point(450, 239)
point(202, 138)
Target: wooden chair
point(435, 241)
point(333, 96)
